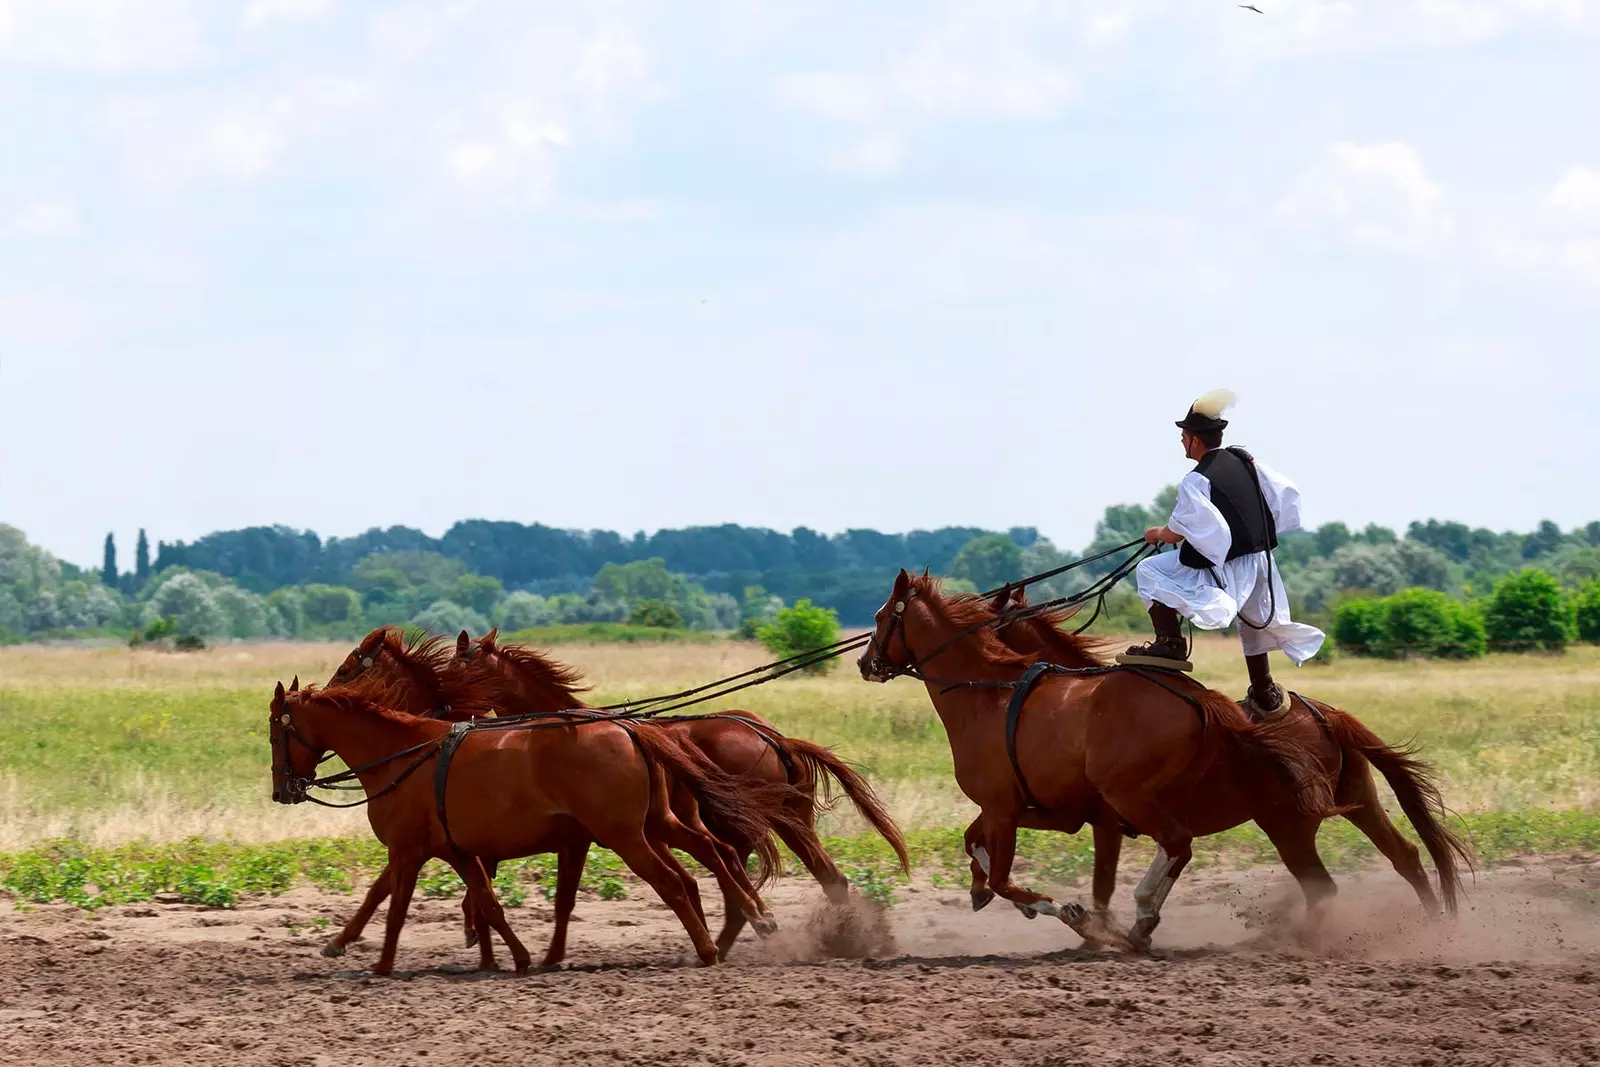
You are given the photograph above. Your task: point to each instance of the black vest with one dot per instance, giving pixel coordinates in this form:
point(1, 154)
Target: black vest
point(1236, 492)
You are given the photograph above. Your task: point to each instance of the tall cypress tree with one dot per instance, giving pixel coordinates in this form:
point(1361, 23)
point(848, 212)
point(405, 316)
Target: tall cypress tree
point(141, 560)
point(108, 569)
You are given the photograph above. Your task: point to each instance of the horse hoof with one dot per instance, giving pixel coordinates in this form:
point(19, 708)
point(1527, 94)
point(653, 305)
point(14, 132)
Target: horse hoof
point(981, 898)
point(1074, 915)
point(333, 950)
point(1028, 911)
point(764, 927)
point(472, 938)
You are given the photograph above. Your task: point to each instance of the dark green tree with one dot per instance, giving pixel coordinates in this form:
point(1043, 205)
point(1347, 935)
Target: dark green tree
point(988, 561)
point(656, 613)
point(1543, 541)
point(141, 561)
point(108, 568)
point(1586, 609)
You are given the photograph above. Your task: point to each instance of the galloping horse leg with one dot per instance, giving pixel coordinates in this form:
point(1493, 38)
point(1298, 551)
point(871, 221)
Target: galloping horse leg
point(403, 871)
point(488, 908)
point(1357, 788)
point(995, 857)
point(376, 892)
point(469, 920)
point(691, 887)
point(1296, 842)
point(1107, 852)
point(642, 860)
point(1173, 852)
point(807, 847)
point(732, 918)
point(972, 843)
point(570, 861)
point(737, 892)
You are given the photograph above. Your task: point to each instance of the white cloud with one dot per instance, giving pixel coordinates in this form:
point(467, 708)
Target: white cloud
point(170, 141)
point(264, 12)
point(876, 155)
point(100, 36)
point(980, 63)
point(1376, 196)
point(43, 218)
point(1577, 195)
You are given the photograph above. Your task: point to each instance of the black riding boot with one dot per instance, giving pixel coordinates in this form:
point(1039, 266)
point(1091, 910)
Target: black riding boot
point(1168, 649)
point(1266, 697)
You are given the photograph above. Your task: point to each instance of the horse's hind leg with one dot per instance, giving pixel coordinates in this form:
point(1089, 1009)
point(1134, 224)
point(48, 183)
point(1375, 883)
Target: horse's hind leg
point(1173, 852)
point(488, 906)
point(807, 847)
point(358, 922)
point(1296, 842)
point(570, 861)
point(1368, 816)
point(642, 860)
point(1107, 853)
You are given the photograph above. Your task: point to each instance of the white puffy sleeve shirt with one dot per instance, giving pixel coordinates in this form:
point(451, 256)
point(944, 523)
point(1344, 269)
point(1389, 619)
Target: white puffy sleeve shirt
point(1198, 521)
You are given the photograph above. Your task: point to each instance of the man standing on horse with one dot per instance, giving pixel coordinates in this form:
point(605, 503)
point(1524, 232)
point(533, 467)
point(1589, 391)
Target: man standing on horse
point(1230, 510)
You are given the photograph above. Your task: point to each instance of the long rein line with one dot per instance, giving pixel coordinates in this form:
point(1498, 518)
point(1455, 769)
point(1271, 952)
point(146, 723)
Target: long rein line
point(652, 707)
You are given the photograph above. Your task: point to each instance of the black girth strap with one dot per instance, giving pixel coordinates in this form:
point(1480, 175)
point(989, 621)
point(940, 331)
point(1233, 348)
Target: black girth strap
point(1019, 697)
point(441, 776)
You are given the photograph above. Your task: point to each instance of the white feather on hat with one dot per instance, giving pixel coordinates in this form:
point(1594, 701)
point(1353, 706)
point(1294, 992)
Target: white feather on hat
point(1214, 403)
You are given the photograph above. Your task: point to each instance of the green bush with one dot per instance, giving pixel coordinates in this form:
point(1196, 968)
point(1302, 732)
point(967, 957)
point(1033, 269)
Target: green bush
point(655, 613)
point(1361, 627)
point(1426, 622)
point(1527, 612)
point(799, 628)
point(1586, 611)
point(1412, 622)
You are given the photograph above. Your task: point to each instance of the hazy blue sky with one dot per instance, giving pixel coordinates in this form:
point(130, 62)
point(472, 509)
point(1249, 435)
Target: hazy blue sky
point(634, 265)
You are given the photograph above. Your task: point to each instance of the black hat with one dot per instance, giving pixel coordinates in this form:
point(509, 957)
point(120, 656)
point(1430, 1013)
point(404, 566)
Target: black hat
point(1206, 413)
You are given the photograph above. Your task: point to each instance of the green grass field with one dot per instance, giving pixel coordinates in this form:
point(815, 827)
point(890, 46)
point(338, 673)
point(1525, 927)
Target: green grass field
point(156, 765)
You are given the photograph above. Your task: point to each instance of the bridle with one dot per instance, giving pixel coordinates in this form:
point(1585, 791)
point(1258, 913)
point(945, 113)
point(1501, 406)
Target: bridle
point(296, 786)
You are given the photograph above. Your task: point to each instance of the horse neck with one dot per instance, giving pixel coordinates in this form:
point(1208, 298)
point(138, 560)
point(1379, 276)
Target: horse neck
point(418, 699)
point(360, 738)
point(966, 710)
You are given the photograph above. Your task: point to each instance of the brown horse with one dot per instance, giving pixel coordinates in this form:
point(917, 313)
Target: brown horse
point(510, 791)
point(1345, 742)
point(1173, 759)
point(739, 743)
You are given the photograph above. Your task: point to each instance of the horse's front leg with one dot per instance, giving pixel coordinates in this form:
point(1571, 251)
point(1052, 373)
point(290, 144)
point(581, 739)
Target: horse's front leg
point(1001, 839)
point(973, 843)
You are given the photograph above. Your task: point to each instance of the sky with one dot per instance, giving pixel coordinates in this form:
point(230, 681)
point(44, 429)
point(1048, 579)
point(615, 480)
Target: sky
point(625, 265)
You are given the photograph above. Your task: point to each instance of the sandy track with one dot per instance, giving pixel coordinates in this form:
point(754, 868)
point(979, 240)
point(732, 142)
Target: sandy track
point(1516, 980)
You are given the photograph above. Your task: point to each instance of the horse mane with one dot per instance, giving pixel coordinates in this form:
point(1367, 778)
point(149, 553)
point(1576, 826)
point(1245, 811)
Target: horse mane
point(429, 660)
point(968, 611)
point(369, 695)
point(536, 669)
point(1067, 648)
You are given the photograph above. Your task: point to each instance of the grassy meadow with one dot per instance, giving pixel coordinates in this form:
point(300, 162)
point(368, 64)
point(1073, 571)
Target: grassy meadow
point(111, 752)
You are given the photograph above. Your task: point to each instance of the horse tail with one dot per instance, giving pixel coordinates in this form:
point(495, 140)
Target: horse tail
point(733, 808)
point(826, 769)
point(1276, 746)
point(1415, 787)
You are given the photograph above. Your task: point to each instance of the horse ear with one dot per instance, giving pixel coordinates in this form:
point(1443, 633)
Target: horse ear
point(902, 582)
point(492, 635)
point(277, 694)
point(926, 571)
point(294, 686)
point(463, 644)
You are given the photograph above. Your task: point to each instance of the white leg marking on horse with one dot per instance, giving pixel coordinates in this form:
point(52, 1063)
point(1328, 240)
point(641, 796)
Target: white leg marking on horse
point(979, 854)
point(1154, 886)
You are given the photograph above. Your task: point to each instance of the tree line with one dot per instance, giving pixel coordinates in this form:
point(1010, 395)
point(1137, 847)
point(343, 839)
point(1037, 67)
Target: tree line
point(278, 581)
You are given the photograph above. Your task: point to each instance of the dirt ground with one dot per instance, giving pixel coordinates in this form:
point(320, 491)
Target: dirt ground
point(1234, 980)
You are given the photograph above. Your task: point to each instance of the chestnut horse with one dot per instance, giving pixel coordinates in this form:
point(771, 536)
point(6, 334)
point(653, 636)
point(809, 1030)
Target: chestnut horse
point(1350, 745)
point(510, 791)
point(1173, 759)
point(738, 742)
